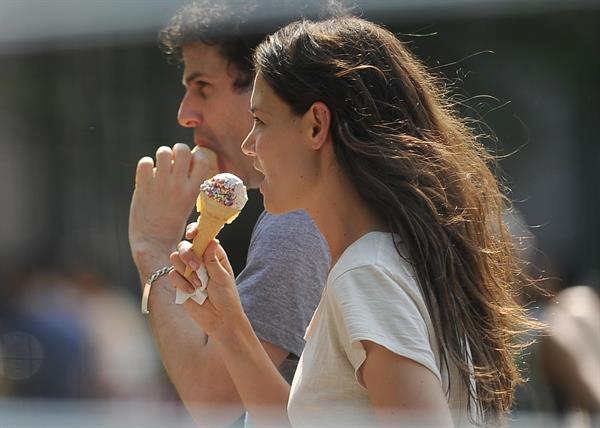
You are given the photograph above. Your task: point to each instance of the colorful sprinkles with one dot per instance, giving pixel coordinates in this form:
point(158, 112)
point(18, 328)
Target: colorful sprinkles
point(220, 189)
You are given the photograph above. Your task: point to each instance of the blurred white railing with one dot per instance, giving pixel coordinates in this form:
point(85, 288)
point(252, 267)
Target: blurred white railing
point(15, 413)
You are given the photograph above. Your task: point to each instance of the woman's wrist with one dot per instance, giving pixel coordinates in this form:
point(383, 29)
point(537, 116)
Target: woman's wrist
point(236, 336)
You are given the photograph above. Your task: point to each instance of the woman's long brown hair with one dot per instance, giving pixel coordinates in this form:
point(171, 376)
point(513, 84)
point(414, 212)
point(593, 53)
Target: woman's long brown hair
point(401, 142)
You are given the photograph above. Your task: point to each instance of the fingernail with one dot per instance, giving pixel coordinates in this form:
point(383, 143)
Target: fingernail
point(196, 282)
point(193, 265)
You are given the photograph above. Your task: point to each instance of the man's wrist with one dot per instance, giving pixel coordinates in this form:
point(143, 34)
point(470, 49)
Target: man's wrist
point(148, 286)
point(148, 262)
point(148, 247)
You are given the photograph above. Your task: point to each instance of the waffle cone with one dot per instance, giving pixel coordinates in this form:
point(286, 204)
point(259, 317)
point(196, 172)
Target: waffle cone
point(213, 216)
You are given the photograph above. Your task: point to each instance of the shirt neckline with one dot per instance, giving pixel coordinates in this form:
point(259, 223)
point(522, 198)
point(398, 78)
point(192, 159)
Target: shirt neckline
point(356, 243)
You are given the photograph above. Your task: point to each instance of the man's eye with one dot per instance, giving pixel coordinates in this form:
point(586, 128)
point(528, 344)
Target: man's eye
point(201, 87)
point(257, 121)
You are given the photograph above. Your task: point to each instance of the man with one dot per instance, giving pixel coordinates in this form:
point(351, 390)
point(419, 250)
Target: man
point(288, 260)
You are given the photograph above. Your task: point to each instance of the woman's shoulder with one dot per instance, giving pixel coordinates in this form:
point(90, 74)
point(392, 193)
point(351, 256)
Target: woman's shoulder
point(373, 251)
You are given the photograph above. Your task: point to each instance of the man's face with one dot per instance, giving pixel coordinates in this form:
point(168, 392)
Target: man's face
point(216, 110)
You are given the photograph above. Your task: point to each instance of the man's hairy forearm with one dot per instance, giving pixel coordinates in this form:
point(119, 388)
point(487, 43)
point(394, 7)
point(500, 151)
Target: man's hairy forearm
point(200, 378)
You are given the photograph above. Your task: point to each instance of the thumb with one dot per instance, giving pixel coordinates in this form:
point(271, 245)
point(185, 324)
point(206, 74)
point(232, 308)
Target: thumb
point(217, 264)
point(199, 167)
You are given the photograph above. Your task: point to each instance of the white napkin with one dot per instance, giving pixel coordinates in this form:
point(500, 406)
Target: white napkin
point(198, 296)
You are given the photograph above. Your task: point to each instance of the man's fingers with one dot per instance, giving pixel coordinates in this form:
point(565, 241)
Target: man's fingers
point(199, 167)
point(164, 157)
point(181, 160)
point(144, 171)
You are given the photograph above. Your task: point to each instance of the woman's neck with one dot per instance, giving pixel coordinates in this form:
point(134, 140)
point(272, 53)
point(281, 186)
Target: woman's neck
point(341, 214)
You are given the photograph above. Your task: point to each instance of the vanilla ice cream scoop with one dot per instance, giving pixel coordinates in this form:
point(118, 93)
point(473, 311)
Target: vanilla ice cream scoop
point(225, 188)
point(220, 201)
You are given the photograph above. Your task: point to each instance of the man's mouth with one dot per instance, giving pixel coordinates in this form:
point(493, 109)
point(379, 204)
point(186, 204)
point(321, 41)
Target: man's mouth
point(202, 143)
point(220, 163)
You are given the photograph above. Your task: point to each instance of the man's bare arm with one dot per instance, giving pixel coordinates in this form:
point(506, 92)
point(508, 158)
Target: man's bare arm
point(163, 199)
point(192, 362)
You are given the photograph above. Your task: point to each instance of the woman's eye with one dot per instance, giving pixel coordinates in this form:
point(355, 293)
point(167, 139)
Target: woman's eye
point(257, 121)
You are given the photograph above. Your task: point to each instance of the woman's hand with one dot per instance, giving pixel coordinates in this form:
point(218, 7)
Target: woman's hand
point(222, 310)
point(252, 364)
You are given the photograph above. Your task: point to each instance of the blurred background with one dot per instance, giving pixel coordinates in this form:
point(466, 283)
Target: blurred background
point(85, 92)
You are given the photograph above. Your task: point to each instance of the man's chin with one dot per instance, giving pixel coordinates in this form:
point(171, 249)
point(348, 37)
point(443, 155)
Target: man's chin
point(277, 208)
point(252, 181)
point(274, 210)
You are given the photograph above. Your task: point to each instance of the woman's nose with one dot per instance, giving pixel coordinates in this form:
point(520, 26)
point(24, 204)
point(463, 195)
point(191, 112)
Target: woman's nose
point(248, 144)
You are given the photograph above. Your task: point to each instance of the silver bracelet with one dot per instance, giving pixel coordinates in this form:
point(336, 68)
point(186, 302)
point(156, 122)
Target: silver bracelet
point(146, 293)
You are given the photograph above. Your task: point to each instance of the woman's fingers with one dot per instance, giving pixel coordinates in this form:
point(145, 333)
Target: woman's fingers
point(179, 281)
point(191, 230)
point(176, 261)
point(222, 257)
point(188, 256)
point(180, 266)
point(217, 264)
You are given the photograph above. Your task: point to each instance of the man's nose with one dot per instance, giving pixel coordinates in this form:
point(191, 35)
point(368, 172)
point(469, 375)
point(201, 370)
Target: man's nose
point(189, 115)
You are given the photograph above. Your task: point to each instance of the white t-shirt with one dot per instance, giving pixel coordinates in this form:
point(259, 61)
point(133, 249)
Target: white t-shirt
point(371, 294)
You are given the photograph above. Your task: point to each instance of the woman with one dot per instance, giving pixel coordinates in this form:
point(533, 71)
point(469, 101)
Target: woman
point(418, 317)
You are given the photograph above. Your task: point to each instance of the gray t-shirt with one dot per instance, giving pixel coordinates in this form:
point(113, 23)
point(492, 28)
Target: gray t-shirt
point(280, 288)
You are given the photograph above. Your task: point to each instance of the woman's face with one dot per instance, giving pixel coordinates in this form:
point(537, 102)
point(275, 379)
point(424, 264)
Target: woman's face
point(280, 146)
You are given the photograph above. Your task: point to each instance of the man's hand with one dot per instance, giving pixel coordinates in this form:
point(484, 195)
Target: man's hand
point(163, 199)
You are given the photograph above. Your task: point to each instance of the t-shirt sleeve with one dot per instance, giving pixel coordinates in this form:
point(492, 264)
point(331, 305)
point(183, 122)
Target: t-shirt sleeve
point(371, 305)
point(286, 270)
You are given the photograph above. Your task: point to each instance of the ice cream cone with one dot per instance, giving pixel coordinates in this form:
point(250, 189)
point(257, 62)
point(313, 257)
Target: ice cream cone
point(213, 216)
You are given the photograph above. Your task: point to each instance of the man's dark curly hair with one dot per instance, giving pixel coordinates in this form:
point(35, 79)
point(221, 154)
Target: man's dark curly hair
point(237, 27)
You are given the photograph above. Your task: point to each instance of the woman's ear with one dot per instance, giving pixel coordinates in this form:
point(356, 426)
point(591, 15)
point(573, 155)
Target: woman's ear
point(318, 122)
